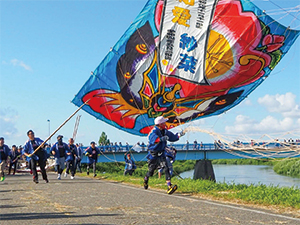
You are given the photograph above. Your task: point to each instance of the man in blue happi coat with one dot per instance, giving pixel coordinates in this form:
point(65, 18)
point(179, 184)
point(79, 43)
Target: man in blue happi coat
point(71, 159)
point(60, 150)
point(15, 156)
point(158, 138)
point(4, 154)
point(39, 157)
point(92, 153)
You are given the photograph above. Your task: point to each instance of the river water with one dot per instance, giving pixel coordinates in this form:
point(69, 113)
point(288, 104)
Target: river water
point(249, 174)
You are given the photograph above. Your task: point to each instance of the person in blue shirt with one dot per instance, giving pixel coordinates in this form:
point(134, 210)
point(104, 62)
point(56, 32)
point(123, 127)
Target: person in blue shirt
point(71, 157)
point(127, 147)
point(15, 156)
point(158, 138)
point(59, 150)
point(195, 147)
point(121, 146)
point(129, 164)
point(4, 154)
point(170, 159)
point(39, 157)
point(92, 153)
point(79, 157)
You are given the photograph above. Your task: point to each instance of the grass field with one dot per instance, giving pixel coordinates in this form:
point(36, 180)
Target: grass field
point(252, 194)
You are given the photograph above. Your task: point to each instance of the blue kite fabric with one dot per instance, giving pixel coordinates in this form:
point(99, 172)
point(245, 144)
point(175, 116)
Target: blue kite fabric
point(184, 60)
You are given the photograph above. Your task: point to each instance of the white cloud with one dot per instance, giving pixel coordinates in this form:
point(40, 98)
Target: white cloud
point(246, 125)
point(8, 118)
point(288, 120)
point(243, 124)
point(16, 62)
point(298, 122)
point(283, 104)
point(247, 102)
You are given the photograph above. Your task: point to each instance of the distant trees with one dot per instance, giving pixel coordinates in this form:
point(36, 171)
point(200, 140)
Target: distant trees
point(103, 140)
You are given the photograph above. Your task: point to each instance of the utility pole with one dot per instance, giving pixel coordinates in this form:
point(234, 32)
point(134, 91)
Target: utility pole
point(49, 131)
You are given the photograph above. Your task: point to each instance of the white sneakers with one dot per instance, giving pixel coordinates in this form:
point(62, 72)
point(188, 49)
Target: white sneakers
point(65, 175)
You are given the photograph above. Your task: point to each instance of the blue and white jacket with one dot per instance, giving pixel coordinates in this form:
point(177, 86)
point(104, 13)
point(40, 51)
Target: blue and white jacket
point(29, 149)
point(155, 144)
point(73, 154)
point(129, 164)
point(4, 153)
point(90, 151)
point(15, 155)
point(171, 153)
point(55, 148)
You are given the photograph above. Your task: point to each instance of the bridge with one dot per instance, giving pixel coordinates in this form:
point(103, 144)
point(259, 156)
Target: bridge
point(204, 153)
point(198, 152)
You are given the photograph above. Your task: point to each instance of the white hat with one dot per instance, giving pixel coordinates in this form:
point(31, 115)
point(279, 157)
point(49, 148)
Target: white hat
point(160, 119)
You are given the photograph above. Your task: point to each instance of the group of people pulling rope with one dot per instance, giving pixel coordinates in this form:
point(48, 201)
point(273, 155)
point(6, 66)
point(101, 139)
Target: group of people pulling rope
point(71, 155)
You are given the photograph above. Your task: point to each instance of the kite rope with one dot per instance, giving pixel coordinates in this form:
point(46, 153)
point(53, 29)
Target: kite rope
point(260, 147)
point(288, 10)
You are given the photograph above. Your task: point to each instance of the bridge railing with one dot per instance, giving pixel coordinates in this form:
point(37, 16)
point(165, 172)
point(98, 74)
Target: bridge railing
point(192, 151)
point(185, 147)
point(139, 148)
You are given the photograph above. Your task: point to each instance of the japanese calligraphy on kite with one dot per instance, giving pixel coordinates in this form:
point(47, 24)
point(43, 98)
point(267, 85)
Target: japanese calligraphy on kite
point(184, 60)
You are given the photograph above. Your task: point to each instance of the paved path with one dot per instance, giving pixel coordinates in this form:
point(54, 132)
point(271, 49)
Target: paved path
point(93, 201)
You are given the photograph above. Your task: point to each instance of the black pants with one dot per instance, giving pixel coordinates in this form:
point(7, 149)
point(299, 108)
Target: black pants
point(42, 164)
point(154, 163)
point(71, 166)
point(10, 166)
point(94, 167)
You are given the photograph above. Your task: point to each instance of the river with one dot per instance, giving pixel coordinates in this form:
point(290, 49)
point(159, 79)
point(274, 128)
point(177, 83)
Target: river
point(249, 174)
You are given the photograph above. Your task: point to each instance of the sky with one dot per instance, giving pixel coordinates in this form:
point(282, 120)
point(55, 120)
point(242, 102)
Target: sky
point(49, 48)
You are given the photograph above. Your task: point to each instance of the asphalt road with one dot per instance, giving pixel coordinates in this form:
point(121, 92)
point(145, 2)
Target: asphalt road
point(94, 201)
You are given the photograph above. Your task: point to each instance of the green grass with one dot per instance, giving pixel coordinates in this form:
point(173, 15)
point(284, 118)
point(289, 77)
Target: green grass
point(269, 162)
point(254, 194)
point(288, 167)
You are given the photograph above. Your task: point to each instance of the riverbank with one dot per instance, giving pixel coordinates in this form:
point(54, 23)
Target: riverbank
point(287, 167)
point(278, 198)
point(269, 162)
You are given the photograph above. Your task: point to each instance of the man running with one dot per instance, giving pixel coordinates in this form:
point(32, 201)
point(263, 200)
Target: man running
point(4, 153)
point(59, 150)
point(15, 156)
point(71, 157)
point(158, 138)
point(39, 157)
point(92, 153)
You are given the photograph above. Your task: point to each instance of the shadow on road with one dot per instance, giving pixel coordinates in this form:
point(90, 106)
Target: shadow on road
point(32, 216)
point(2, 191)
point(10, 206)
